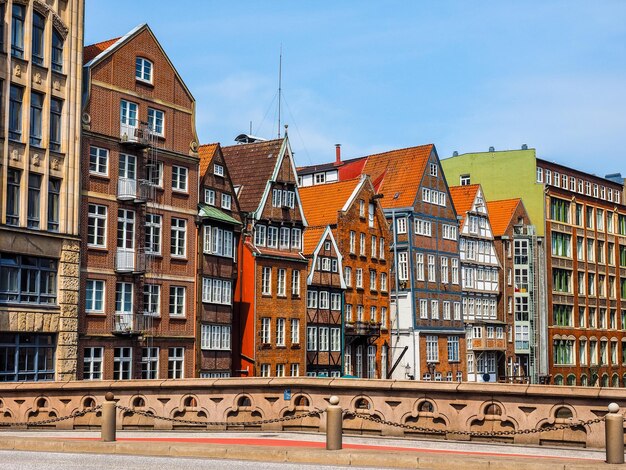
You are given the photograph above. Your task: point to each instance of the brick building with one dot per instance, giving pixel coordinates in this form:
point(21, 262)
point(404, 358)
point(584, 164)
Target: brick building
point(270, 309)
point(139, 202)
point(219, 232)
point(427, 332)
point(515, 245)
point(485, 338)
point(325, 288)
point(353, 211)
point(41, 44)
point(586, 236)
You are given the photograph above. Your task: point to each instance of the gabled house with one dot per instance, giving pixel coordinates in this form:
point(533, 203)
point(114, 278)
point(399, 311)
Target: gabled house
point(219, 232)
point(486, 341)
point(325, 290)
point(139, 201)
point(428, 336)
point(354, 214)
point(514, 241)
point(270, 309)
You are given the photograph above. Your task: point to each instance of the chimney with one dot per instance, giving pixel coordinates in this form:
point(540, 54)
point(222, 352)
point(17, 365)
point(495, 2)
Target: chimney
point(337, 154)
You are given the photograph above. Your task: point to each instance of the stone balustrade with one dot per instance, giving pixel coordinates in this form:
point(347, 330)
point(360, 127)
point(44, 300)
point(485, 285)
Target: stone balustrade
point(448, 406)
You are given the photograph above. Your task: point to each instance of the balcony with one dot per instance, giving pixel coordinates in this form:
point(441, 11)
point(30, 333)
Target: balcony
point(126, 189)
point(127, 323)
point(361, 328)
point(129, 189)
point(135, 136)
point(130, 261)
point(489, 344)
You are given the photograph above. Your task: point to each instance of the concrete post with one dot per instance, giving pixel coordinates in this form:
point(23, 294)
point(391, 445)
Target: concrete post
point(334, 424)
point(614, 433)
point(107, 428)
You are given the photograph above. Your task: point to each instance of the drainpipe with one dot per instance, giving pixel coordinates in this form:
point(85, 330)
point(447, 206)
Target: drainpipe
point(417, 369)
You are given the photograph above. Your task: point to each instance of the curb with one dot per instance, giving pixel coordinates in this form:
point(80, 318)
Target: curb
point(345, 457)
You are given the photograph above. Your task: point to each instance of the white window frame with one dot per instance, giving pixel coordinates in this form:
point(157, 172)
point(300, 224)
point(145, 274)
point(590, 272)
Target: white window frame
point(180, 175)
point(178, 301)
point(178, 236)
point(101, 156)
point(144, 66)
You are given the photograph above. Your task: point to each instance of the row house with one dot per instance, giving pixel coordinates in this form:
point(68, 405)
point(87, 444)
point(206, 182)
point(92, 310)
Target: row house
point(270, 311)
point(325, 286)
point(41, 45)
point(427, 330)
point(353, 211)
point(219, 231)
point(138, 208)
point(515, 245)
point(486, 343)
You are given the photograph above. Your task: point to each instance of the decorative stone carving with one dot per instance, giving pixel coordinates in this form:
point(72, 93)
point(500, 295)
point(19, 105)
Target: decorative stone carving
point(56, 85)
point(36, 159)
point(41, 7)
point(17, 70)
point(54, 164)
point(15, 155)
point(37, 78)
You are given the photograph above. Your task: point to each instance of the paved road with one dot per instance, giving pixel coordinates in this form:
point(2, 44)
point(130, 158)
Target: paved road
point(277, 439)
point(10, 460)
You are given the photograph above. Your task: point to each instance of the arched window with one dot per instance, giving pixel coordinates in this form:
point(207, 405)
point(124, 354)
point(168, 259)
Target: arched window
point(583, 380)
point(615, 380)
point(605, 380)
point(558, 380)
point(571, 379)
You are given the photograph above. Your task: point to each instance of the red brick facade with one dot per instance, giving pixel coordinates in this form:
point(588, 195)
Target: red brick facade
point(117, 314)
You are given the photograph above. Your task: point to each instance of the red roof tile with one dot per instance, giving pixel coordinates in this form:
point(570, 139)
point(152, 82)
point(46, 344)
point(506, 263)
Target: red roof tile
point(500, 214)
point(322, 202)
point(206, 153)
point(312, 238)
point(463, 198)
point(250, 167)
point(398, 173)
point(93, 50)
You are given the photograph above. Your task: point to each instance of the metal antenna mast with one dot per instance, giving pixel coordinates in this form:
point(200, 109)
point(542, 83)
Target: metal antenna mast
point(280, 77)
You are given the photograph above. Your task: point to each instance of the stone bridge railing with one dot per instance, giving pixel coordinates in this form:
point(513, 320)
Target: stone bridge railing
point(449, 408)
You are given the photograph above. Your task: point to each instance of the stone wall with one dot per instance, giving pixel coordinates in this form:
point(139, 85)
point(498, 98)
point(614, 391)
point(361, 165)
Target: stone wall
point(450, 406)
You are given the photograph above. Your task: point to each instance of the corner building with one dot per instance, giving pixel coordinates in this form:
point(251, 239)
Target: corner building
point(41, 44)
point(270, 310)
point(138, 208)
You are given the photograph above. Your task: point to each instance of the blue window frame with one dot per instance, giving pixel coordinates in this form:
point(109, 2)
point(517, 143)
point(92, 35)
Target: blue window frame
point(26, 357)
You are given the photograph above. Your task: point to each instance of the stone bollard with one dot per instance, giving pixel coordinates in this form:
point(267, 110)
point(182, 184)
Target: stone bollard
point(614, 434)
point(107, 428)
point(334, 424)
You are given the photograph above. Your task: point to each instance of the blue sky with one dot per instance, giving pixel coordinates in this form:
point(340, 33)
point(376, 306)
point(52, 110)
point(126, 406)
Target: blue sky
point(376, 76)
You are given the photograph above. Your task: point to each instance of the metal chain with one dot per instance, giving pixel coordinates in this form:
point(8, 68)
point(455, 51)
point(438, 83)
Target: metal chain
point(552, 427)
point(146, 414)
point(76, 414)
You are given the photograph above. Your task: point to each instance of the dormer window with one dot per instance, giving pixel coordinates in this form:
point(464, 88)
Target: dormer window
point(143, 70)
point(218, 170)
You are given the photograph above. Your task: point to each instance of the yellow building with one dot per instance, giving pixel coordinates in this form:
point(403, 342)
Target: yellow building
point(40, 85)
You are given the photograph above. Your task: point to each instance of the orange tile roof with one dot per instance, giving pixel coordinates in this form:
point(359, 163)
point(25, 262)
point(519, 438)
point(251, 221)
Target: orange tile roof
point(93, 50)
point(500, 214)
point(206, 153)
point(311, 239)
point(322, 202)
point(463, 198)
point(398, 173)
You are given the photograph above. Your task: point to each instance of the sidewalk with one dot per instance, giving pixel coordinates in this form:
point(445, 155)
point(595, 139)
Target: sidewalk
point(310, 448)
